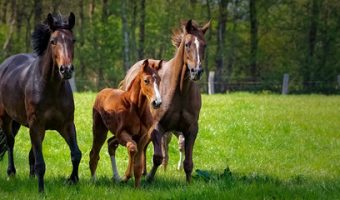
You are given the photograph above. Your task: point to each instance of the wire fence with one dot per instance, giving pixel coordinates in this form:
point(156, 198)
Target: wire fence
point(322, 87)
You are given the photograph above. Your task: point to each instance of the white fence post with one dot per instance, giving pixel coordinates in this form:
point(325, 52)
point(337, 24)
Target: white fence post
point(211, 82)
point(285, 83)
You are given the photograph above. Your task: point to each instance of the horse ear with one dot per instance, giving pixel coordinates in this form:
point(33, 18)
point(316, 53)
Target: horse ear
point(189, 27)
point(206, 27)
point(71, 20)
point(159, 65)
point(50, 21)
point(145, 65)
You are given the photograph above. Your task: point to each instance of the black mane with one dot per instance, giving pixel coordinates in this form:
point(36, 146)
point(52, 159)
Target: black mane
point(40, 38)
point(42, 33)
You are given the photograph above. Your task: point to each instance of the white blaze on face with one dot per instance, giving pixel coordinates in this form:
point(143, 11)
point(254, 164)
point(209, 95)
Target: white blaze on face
point(198, 52)
point(64, 47)
point(158, 95)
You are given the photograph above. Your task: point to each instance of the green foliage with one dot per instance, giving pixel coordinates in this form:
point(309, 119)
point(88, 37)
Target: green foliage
point(249, 146)
point(284, 43)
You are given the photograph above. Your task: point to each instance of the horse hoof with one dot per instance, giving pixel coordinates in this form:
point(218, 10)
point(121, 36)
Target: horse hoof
point(73, 180)
point(149, 178)
point(11, 172)
point(124, 179)
point(117, 179)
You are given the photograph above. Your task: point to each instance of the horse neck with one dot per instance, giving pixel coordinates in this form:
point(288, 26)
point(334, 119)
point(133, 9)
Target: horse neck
point(135, 95)
point(173, 75)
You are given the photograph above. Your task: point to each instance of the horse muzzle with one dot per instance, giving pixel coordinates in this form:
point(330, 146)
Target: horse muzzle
point(66, 71)
point(196, 74)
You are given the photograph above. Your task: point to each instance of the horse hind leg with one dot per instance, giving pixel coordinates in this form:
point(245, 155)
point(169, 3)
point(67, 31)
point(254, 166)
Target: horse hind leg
point(166, 139)
point(3, 144)
point(14, 128)
point(112, 147)
point(181, 143)
point(10, 129)
point(99, 131)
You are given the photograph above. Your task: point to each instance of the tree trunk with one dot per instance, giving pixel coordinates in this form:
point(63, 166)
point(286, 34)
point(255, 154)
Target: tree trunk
point(221, 30)
point(125, 33)
point(253, 40)
point(208, 38)
point(81, 37)
point(4, 12)
point(232, 34)
point(141, 30)
point(134, 51)
point(313, 27)
point(92, 6)
point(37, 11)
point(100, 67)
point(8, 43)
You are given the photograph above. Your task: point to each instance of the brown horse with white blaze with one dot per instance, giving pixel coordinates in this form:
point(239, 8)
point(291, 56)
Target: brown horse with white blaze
point(180, 93)
point(35, 92)
point(126, 114)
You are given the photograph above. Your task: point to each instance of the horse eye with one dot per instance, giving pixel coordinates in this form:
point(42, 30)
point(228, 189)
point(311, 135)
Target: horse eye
point(53, 42)
point(74, 41)
point(187, 45)
point(146, 81)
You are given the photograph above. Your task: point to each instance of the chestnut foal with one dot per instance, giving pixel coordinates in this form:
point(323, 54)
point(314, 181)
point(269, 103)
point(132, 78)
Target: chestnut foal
point(127, 114)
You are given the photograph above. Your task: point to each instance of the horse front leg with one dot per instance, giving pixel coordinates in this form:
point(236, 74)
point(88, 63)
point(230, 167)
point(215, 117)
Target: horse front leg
point(156, 138)
point(190, 137)
point(140, 159)
point(69, 134)
point(112, 144)
point(126, 140)
point(31, 160)
point(37, 134)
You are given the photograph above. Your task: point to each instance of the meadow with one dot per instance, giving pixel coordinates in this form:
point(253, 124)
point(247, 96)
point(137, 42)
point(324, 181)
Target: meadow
point(249, 146)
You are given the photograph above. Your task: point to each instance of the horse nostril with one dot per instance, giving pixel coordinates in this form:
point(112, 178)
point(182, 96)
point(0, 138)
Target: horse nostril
point(154, 103)
point(72, 68)
point(62, 69)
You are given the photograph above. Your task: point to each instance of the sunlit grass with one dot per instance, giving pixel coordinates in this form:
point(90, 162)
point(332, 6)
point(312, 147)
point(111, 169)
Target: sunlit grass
point(282, 147)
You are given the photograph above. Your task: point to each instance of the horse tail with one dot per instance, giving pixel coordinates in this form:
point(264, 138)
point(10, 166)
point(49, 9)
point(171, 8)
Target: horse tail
point(3, 144)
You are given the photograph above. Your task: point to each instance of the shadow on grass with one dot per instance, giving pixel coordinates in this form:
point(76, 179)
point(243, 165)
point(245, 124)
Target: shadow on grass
point(205, 184)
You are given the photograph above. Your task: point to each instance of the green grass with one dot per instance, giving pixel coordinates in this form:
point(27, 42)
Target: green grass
point(276, 147)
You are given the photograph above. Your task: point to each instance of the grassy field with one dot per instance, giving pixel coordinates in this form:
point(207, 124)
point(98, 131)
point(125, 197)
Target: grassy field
point(248, 147)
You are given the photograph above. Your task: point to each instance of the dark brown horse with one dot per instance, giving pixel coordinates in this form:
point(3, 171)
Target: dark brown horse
point(35, 92)
point(127, 115)
point(180, 94)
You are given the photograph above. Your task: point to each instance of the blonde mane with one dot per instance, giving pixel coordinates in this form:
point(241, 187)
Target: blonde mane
point(130, 76)
point(133, 71)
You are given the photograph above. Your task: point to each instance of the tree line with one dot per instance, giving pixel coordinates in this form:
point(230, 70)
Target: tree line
point(250, 41)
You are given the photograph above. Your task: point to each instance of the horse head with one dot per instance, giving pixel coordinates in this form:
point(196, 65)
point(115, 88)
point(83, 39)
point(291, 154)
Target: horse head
point(195, 45)
point(62, 43)
point(150, 83)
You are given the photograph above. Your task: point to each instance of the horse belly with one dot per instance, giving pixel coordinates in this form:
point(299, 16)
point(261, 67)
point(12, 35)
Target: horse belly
point(15, 109)
point(170, 121)
point(54, 119)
